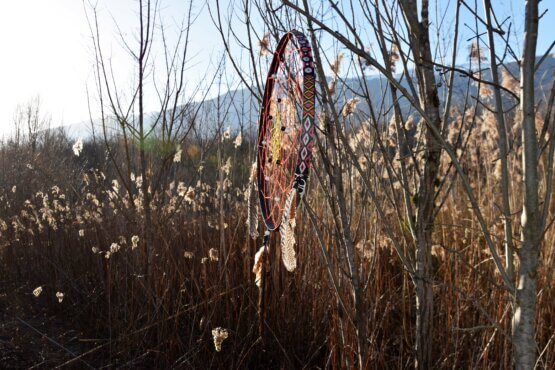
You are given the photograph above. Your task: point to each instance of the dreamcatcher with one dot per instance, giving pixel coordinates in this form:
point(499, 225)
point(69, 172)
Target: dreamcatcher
point(285, 138)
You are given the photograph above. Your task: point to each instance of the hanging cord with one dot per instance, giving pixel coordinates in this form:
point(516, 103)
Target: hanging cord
point(266, 239)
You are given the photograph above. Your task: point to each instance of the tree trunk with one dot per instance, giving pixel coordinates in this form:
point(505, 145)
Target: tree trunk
point(336, 178)
point(524, 317)
point(429, 101)
point(148, 228)
point(502, 143)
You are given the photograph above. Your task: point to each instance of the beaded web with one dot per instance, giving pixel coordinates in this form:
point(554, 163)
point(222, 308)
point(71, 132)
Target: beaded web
point(286, 126)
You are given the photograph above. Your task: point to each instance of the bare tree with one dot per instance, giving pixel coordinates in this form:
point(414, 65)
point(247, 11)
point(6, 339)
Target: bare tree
point(427, 162)
point(136, 130)
point(502, 142)
point(29, 121)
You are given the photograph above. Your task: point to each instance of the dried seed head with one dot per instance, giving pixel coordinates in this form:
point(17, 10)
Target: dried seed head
point(336, 64)
point(115, 186)
point(219, 335)
point(438, 251)
point(332, 85)
point(213, 254)
point(177, 155)
point(37, 291)
point(77, 147)
point(365, 248)
point(238, 140)
point(114, 248)
point(485, 91)
point(134, 242)
point(349, 107)
point(363, 162)
point(227, 166)
point(394, 57)
point(475, 52)
point(264, 44)
point(509, 82)
point(365, 63)
point(410, 123)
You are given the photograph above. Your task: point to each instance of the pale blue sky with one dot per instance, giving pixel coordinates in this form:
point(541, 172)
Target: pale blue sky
point(46, 49)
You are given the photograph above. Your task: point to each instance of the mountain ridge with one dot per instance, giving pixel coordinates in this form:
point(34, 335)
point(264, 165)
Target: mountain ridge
point(239, 109)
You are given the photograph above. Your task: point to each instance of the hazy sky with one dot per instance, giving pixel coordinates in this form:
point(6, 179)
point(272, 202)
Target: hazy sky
point(46, 50)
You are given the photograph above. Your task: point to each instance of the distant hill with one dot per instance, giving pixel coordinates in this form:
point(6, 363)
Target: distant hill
point(239, 110)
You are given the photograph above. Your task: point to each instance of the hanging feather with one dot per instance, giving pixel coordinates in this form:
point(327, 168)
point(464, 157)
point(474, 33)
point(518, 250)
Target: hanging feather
point(287, 232)
point(257, 268)
point(252, 205)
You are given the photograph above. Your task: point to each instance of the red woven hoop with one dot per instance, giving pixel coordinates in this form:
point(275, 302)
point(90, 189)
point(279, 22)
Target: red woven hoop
point(286, 126)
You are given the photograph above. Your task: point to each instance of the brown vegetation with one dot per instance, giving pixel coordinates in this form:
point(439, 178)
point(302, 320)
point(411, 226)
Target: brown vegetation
point(73, 230)
point(140, 247)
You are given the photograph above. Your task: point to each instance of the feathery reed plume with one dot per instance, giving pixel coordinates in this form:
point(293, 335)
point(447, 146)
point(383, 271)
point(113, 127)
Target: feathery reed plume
point(508, 81)
point(475, 52)
point(238, 140)
point(349, 107)
point(252, 206)
point(213, 255)
point(37, 291)
point(365, 249)
point(77, 147)
point(219, 335)
point(227, 134)
point(332, 85)
point(264, 43)
point(287, 232)
point(177, 155)
point(394, 57)
point(134, 241)
point(365, 63)
point(410, 123)
point(336, 64)
point(485, 91)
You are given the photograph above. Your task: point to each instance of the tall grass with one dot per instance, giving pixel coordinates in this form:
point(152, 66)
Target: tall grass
point(68, 226)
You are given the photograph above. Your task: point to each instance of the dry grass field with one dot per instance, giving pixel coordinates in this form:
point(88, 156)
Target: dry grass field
point(69, 226)
point(425, 237)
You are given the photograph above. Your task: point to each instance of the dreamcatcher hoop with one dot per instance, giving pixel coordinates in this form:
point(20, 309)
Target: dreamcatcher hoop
point(284, 152)
point(286, 128)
